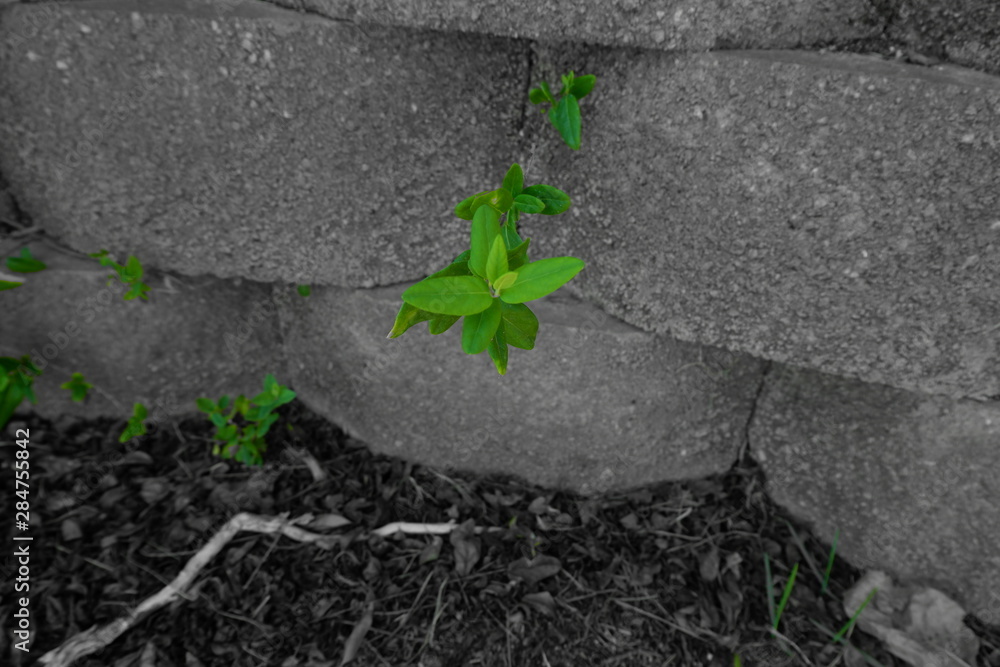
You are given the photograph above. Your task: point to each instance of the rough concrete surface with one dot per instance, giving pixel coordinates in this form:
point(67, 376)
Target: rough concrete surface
point(596, 405)
point(834, 211)
point(966, 32)
point(249, 140)
point(910, 481)
point(193, 337)
point(671, 24)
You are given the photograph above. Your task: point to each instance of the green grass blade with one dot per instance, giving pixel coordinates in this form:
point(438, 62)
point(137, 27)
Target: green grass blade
point(854, 618)
point(829, 563)
point(869, 659)
point(786, 594)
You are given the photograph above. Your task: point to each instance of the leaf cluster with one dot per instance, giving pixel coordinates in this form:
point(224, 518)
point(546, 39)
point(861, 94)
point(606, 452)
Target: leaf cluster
point(245, 443)
point(24, 263)
point(136, 425)
point(16, 379)
point(78, 386)
point(129, 274)
point(564, 114)
point(489, 283)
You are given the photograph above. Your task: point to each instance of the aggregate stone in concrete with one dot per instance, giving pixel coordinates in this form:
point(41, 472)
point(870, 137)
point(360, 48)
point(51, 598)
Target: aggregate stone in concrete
point(909, 480)
point(242, 139)
point(596, 405)
point(671, 24)
point(832, 211)
point(193, 337)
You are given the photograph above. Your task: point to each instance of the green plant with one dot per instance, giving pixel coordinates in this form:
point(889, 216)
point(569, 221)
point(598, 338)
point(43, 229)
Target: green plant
point(16, 379)
point(136, 425)
point(129, 274)
point(246, 444)
point(304, 290)
point(24, 263)
point(564, 114)
point(78, 386)
point(489, 284)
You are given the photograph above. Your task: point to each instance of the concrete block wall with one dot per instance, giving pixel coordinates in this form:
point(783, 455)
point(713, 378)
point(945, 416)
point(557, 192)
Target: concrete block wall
point(773, 239)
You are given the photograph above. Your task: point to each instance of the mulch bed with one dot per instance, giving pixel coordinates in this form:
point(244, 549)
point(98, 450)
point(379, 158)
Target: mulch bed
point(667, 575)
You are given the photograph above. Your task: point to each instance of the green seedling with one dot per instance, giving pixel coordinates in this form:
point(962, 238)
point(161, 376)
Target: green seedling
point(136, 424)
point(78, 387)
point(490, 283)
point(304, 290)
point(244, 441)
point(16, 379)
point(564, 114)
point(129, 274)
point(24, 263)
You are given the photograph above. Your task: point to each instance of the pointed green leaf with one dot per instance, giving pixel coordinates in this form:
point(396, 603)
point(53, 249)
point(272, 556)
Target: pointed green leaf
point(496, 263)
point(464, 208)
point(567, 82)
point(462, 257)
point(556, 201)
point(518, 256)
point(510, 236)
point(478, 329)
point(513, 215)
point(582, 86)
point(537, 96)
point(453, 269)
point(453, 295)
point(545, 276)
point(504, 281)
point(544, 86)
point(441, 323)
point(520, 326)
point(133, 270)
point(206, 405)
point(408, 316)
point(528, 204)
point(25, 263)
point(498, 351)
point(513, 182)
point(8, 284)
point(566, 117)
point(484, 229)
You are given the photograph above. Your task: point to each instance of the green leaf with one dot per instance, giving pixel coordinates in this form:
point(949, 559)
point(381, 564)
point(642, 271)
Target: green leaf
point(544, 86)
point(556, 201)
point(217, 419)
point(453, 269)
point(453, 295)
point(513, 215)
point(537, 96)
point(520, 326)
point(25, 263)
point(513, 182)
point(504, 281)
point(206, 405)
point(8, 284)
point(518, 257)
point(464, 208)
point(582, 86)
point(498, 351)
point(139, 411)
point(567, 82)
point(408, 316)
point(545, 276)
point(133, 270)
point(496, 263)
point(462, 257)
point(303, 290)
point(441, 323)
point(484, 229)
point(528, 204)
point(566, 117)
point(478, 329)
point(78, 387)
point(501, 200)
point(510, 236)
